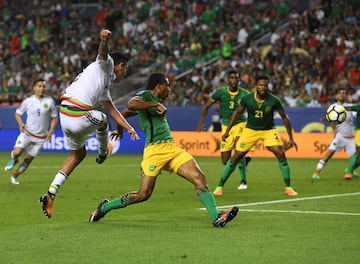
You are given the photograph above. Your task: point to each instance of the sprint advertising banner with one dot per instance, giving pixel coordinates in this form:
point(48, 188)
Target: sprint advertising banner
point(311, 135)
point(310, 145)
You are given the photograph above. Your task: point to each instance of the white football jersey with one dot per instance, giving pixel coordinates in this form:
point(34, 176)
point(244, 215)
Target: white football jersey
point(346, 128)
point(39, 113)
point(92, 85)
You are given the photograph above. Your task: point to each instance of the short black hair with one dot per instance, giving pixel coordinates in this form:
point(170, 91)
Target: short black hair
point(155, 79)
point(261, 77)
point(233, 72)
point(341, 89)
point(119, 57)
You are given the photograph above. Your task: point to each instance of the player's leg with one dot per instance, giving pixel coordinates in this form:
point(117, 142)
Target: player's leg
point(22, 167)
point(284, 168)
point(273, 142)
point(22, 141)
point(154, 159)
point(322, 163)
point(191, 171)
point(354, 158)
point(76, 131)
point(350, 149)
point(228, 169)
point(242, 165)
point(33, 150)
point(102, 134)
point(74, 159)
point(250, 138)
point(144, 193)
point(336, 144)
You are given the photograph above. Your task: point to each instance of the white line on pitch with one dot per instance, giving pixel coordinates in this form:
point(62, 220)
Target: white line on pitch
point(292, 200)
point(299, 212)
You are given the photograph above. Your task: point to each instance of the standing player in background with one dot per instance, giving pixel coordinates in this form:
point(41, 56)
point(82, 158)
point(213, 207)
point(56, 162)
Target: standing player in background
point(80, 118)
point(41, 112)
point(161, 153)
point(260, 106)
point(229, 98)
point(354, 159)
point(344, 136)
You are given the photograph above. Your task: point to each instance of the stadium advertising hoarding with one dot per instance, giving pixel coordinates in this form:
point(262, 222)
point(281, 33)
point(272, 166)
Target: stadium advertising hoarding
point(311, 135)
point(310, 145)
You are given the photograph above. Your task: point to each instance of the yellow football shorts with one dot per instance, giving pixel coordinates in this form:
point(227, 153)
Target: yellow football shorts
point(164, 156)
point(234, 134)
point(357, 137)
point(250, 137)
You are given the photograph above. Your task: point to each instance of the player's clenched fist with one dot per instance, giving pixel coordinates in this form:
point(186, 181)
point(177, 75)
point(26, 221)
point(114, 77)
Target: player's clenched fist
point(105, 34)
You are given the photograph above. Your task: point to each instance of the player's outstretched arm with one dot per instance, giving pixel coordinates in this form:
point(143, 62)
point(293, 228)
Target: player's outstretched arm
point(103, 49)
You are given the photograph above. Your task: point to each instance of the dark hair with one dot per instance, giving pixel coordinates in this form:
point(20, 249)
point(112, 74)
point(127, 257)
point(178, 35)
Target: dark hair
point(341, 89)
point(155, 79)
point(119, 57)
point(232, 72)
point(261, 77)
point(37, 81)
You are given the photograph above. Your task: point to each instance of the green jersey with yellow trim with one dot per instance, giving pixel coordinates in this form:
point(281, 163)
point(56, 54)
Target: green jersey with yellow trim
point(260, 113)
point(155, 126)
point(228, 102)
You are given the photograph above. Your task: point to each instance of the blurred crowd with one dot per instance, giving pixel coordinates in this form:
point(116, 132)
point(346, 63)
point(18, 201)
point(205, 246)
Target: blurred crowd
point(316, 53)
point(308, 52)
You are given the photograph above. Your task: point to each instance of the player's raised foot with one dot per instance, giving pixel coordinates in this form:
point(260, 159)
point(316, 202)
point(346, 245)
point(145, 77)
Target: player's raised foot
point(97, 214)
point(315, 176)
point(101, 158)
point(218, 191)
point(290, 191)
point(225, 217)
point(10, 164)
point(47, 201)
point(348, 176)
point(242, 186)
point(14, 180)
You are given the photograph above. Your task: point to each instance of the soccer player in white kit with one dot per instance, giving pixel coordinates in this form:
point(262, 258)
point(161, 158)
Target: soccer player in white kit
point(40, 110)
point(344, 135)
point(80, 118)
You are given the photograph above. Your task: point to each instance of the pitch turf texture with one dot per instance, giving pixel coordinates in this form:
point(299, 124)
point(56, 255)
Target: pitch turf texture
point(320, 225)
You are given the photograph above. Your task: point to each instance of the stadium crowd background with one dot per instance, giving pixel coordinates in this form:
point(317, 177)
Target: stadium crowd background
point(308, 48)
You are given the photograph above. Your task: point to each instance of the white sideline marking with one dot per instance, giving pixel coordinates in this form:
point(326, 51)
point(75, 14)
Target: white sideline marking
point(299, 212)
point(294, 200)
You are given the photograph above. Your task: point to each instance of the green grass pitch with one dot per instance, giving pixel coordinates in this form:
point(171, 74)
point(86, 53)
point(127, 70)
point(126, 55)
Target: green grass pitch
point(320, 225)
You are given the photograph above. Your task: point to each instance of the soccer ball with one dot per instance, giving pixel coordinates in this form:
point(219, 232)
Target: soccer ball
point(336, 114)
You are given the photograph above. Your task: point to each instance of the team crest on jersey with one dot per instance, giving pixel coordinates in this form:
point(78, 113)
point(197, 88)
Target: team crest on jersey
point(152, 167)
point(46, 106)
point(268, 109)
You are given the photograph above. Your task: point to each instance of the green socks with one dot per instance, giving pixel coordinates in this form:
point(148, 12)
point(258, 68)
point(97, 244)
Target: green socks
point(117, 203)
point(285, 172)
point(207, 199)
point(242, 169)
point(352, 163)
point(228, 169)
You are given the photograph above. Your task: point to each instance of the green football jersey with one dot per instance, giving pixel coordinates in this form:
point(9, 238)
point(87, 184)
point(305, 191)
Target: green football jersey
point(228, 101)
point(260, 114)
point(155, 126)
point(356, 108)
